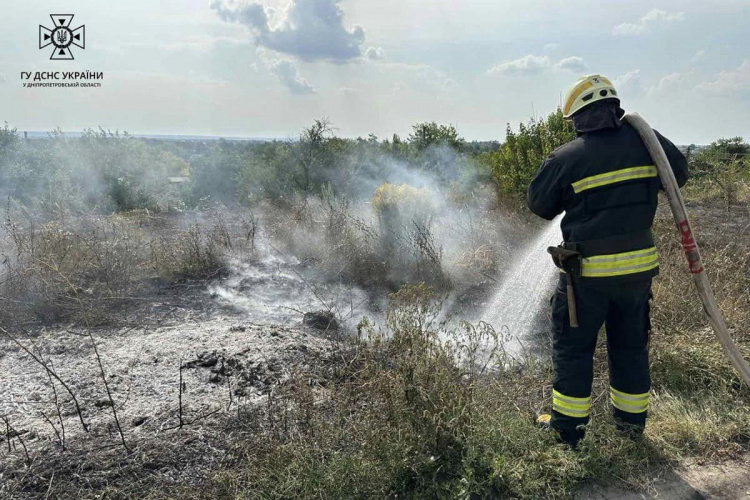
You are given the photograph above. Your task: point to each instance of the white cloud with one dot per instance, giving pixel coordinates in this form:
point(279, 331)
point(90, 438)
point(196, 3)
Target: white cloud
point(730, 82)
point(629, 84)
point(419, 76)
point(309, 29)
point(532, 65)
point(670, 83)
point(574, 64)
point(698, 56)
point(290, 77)
point(375, 53)
point(654, 18)
point(526, 65)
point(551, 47)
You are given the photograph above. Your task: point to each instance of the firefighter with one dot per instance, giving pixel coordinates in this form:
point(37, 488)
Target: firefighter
point(607, 184)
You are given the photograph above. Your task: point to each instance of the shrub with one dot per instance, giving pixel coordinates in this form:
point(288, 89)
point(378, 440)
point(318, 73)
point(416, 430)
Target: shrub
point(515, 164)
point(720, 171)
point(429, 134)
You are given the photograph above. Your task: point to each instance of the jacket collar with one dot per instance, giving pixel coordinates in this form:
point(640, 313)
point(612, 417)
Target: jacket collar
point(601, 115)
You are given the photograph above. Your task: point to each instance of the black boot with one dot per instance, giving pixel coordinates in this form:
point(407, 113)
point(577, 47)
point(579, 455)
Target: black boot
point(571, 437)
point(565, 436)
point(630, 430)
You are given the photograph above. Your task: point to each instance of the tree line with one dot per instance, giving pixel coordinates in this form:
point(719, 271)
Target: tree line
point(111, 171)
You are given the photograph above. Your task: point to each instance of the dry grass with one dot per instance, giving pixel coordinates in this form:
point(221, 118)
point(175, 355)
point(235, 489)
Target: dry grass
point(49, 265)
point(348, 245)
point(52, 267)
point(402, 237)
point(700, 404)
point(722, 192)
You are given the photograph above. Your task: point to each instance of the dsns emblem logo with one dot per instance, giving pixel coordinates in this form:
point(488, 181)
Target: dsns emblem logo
point(62, 37)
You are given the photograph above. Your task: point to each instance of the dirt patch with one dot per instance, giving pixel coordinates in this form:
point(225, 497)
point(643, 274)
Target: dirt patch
point(692, 481)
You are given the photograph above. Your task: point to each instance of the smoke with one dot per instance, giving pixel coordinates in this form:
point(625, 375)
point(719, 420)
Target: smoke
point(98, 171)
point(331, 234)
point(441, 231)
point(310, 30)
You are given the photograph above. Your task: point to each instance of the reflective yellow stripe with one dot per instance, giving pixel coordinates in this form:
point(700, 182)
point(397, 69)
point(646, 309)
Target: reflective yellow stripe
point(625, 174)
point(570, 399)
point(570, 406)
point(570, 413)
point(631, 403)
point(615, 257)
point(619, 264)
point(629, 397)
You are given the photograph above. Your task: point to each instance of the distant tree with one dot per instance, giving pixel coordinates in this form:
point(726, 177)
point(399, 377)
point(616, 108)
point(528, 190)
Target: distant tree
point(707, 160)
point(689, 152)
point(479, 147)
point(397, 147)
point(724, 163)
point(9, 145)
point(214, 176)
point(310, 153)
point(8, 148)
point(8, 139)
point(514, 165)
point(731, 146)
point(428, 134)
point(266, 174)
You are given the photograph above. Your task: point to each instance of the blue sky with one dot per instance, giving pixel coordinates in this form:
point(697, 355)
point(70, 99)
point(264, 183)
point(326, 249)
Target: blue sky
point(267, 69)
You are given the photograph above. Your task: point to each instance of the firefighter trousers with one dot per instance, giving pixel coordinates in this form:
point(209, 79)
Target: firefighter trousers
point(624, 310)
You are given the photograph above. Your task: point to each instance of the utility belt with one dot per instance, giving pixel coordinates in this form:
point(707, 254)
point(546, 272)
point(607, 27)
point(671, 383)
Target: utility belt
point(621, 255)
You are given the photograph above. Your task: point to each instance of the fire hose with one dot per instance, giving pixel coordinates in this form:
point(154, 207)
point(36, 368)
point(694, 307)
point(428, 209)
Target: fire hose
point(689, 245)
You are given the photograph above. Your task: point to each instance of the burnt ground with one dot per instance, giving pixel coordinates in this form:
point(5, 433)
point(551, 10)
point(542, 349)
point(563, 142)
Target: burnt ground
point(183, 362)
point(226, 368)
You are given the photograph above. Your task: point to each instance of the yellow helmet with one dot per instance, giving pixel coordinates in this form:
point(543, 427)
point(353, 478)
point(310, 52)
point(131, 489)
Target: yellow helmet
point(587, 90)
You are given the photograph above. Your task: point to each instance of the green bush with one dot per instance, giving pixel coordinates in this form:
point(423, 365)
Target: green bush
point(515, 164)
point(703, 162)
point(429, 134)
point(721, 170)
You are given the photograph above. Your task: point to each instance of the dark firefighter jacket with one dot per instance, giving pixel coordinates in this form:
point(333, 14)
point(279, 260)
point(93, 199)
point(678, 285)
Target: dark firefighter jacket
point(607, 184)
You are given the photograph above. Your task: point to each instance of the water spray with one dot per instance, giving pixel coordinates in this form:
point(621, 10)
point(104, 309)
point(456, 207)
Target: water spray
point(523, 292)
point(689, 245)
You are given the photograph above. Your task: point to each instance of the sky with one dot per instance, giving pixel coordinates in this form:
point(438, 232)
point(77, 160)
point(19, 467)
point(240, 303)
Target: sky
point(268, 68)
